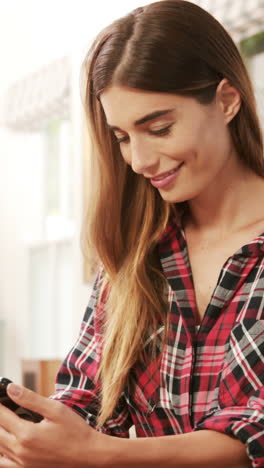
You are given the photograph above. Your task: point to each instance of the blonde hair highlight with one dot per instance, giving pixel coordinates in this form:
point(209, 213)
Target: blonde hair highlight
point(135, 217)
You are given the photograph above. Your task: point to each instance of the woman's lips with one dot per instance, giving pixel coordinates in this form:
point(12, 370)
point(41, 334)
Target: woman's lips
point(166, 179)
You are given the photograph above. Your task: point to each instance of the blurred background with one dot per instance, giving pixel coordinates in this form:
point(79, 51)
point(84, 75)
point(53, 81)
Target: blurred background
point(44, 282)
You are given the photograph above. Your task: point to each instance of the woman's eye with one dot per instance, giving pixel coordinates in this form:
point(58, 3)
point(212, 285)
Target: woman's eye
point(123, 139)
point(161, 131)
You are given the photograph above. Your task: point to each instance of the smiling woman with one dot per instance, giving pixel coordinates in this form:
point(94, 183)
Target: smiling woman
point(172, 339)
point(166, 144)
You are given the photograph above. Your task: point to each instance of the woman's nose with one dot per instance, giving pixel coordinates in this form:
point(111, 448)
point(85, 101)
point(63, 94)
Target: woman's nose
point(144, 159)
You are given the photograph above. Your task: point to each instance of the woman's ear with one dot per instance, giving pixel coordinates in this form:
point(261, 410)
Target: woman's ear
point(229, 99)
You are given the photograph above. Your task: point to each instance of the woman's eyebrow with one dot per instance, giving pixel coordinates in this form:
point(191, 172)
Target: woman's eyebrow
point(152, 116)
point(146, 118)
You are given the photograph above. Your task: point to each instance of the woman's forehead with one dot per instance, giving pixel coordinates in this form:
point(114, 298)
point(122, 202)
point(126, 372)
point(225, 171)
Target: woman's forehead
point(122, 103)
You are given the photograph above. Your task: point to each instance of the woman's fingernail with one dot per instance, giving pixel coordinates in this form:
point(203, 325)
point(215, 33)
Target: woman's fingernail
point(14, 390)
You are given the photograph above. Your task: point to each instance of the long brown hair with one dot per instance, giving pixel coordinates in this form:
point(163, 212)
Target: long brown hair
point(170, 46)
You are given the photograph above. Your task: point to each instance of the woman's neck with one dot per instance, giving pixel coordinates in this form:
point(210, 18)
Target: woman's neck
point(229, 204)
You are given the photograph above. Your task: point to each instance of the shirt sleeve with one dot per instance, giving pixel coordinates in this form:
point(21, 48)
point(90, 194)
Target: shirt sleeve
point(241, 391)
point(76, 385)
point(244, 422)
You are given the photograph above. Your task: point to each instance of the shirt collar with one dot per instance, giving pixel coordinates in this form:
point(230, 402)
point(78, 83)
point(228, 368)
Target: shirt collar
point(173, 239)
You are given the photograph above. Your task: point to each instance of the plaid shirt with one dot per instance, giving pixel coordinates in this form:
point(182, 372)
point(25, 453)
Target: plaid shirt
point(211, 378)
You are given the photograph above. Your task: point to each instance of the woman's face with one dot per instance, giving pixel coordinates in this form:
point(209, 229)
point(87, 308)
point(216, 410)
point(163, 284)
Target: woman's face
point(181, 146)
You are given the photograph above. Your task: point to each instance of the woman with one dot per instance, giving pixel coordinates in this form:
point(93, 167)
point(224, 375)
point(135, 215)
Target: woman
point(172, 339)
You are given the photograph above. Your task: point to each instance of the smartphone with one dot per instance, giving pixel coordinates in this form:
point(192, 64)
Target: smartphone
point(23, 413)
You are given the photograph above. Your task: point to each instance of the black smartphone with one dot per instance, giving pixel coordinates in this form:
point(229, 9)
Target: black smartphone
point(23, 413)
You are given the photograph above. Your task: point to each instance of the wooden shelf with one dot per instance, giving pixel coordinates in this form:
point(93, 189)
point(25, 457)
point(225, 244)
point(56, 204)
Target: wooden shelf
point(40, 375)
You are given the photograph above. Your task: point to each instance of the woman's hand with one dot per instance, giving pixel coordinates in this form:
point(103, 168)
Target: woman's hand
point(61, 439)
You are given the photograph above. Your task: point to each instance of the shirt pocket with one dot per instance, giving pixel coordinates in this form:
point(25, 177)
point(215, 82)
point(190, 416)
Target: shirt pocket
point(243, 369)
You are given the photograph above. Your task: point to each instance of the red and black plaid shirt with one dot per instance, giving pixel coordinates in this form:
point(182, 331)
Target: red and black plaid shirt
point(207, 379)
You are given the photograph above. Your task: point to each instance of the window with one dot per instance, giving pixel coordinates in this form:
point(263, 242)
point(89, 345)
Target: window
point(58, 181)
point(50, 257)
